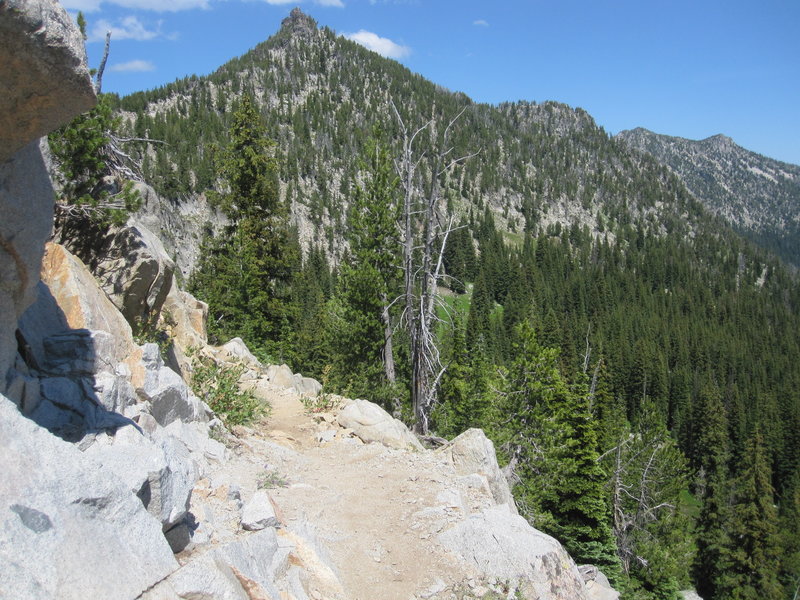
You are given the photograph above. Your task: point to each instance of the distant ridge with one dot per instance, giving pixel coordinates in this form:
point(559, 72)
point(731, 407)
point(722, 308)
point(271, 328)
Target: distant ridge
point(757, 195)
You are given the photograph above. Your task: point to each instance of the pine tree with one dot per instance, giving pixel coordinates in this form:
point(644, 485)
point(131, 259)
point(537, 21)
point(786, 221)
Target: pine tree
point(790, 536)
point(369, 279)
point(648, 475)
point(245, 275)
point(84, 157)
point(550, 435)
point(710, 455)
point(462, 397)
point(751, 557)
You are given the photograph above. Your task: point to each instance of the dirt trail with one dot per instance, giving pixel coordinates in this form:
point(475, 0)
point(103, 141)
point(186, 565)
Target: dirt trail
point(374, 511)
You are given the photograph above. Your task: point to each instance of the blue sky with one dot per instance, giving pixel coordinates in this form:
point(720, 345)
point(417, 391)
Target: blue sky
point(685, 68)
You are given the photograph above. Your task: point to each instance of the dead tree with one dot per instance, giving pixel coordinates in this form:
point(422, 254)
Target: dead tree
point(425, 234)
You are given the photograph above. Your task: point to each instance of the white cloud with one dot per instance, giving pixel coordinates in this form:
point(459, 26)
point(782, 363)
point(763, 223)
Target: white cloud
point(154, 5)
point(127, 28)
point(383, 46)
point(132, 66)
point(481, 23)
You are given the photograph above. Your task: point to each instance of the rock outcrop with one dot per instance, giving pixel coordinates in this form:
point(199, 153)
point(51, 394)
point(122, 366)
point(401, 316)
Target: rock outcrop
point(44, 81)
point(56, 501)
point(373, 424)
point(472, 453)
point(179, 225)
point(499, 544)
point(43, 74)
point(132, 267)
point(82, 302)
point(597, 585)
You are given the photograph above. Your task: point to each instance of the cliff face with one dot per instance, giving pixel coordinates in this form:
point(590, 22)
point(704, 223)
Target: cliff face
point(44, 81)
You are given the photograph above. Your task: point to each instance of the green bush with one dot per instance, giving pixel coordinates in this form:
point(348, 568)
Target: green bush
point(218, 386)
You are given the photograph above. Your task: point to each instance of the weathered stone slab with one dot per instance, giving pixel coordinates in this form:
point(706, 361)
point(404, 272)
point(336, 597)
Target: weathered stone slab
point(472, 452)
point(259, 513)
point(373, 424)
point(57, 502)
point(501, 545)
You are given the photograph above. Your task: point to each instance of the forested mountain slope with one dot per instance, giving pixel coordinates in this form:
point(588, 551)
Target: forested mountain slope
point(633, 358)
point(320, 97)
point(758, 196)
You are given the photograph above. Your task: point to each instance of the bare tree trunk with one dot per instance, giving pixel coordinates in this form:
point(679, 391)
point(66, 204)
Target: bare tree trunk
point(98, 80)
point(421, 276)
point(619, 527)
point(388, 350)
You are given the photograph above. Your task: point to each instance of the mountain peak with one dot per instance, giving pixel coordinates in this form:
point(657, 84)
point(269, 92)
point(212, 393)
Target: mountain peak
point(720, 141)
point(299, 23)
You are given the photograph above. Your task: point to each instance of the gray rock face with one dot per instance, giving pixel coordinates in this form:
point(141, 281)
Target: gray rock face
point(160, 474)
point(205, 451)
point(168, 394)
point(472, 452)
point(186, 317)
point(280, 376)
point(133, 269)
point(44, 82)
point(499, 544)
point(43, 74)
point(71, 296)
point(307, 386)
point(26, 205)
point(242, 570)
point(69, 408)
point(179, 225)
point(78, 352)
point(597, 585)
point(373, 424)
point(57, 502)
point(237, 350)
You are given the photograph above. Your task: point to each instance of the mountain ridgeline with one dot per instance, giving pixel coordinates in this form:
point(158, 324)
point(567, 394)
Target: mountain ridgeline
point(320, 97)
point(758, 196)
point(664, 345)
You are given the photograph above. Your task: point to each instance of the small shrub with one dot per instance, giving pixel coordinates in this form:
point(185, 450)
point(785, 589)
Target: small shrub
point(146, 330)
point(218, 386)
point(324, 401)
point(271, 479)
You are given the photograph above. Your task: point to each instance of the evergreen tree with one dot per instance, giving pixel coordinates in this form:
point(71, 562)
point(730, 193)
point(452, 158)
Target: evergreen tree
point(751, 557)
point(370, 276)
point(245, 275)
point(479, 331)
point(84, 156)
point(549, 434)
point(790, 536)
point(648, 475)
point(710, 453)
point(462, 394)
